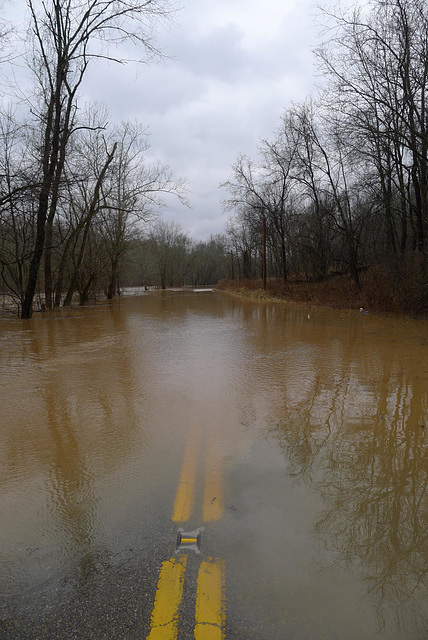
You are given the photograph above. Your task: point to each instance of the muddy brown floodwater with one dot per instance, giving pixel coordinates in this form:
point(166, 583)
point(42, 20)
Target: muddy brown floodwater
point(302, 433)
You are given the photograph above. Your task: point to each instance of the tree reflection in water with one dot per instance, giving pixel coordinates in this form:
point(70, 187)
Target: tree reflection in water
point(363, 448)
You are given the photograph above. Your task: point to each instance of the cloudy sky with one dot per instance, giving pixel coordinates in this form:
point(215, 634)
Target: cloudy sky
point(234, 66)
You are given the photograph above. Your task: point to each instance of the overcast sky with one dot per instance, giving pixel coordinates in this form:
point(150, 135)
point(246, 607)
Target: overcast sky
point(234, 66)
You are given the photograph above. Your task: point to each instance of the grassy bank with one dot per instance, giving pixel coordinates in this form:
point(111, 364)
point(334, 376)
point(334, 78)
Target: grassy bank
point(382, 291)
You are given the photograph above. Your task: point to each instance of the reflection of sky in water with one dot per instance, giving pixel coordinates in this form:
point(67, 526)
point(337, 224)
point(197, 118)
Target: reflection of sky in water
point(96, 411)
point(356, 433)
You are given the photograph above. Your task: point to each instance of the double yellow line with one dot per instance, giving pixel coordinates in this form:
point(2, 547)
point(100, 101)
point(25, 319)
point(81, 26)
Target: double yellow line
point(210, 594)
point(210, 601)
point(213, 503)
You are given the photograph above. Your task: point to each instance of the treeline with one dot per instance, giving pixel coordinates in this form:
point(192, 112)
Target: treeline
point(342, 186)
point(106, 196)
point(74, 190)
point(165, 256)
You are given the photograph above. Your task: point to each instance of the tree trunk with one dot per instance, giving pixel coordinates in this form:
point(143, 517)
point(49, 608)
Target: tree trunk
point(27, 305)
point(49, 159)
point(92, 211)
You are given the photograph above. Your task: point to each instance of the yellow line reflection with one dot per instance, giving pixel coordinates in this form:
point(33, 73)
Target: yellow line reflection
point(164, 619)
point(213, 494)
point(185, 495)
point(210, 613)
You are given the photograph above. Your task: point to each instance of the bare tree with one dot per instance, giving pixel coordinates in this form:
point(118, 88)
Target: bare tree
point(377, 63)
point(66, 37)
point(207, 261)
point(95, 204)
point(260, 199)
point(17, 218)
point(136, 190)
point(168, 246)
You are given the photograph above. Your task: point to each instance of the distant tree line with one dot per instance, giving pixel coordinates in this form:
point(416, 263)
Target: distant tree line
point(164, 256)
point(343, 183)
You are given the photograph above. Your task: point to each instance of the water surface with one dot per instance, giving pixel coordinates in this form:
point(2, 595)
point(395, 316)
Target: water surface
point(319, 423)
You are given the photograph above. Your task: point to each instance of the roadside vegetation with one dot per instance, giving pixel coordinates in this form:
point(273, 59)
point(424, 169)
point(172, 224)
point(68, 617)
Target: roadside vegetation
point(75, 190)
point(380, 291)
point(335, 206)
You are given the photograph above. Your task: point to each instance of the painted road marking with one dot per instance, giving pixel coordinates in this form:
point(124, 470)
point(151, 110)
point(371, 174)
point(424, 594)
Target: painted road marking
point(213, 494)
point(185, 495)
point(164, 620)
point(210, 613)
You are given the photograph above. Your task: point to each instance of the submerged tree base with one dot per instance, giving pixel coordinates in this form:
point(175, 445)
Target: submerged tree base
point(382, 291)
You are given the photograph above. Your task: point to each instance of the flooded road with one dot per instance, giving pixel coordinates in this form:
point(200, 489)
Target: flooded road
point(293, 440)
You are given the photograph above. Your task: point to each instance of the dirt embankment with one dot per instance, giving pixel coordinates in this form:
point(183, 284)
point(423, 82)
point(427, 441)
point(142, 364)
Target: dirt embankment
point(379, 293)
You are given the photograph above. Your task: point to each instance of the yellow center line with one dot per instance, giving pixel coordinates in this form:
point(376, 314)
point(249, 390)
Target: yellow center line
point(210, 598)
point(210, 601)
point(185, 495)
point(164, 620)
point(213, 506)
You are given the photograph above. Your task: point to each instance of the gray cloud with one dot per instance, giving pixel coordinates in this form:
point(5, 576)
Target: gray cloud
point(235, 65)
point(219, 56)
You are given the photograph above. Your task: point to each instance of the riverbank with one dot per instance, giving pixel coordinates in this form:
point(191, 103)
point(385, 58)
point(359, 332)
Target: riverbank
point(379, 293)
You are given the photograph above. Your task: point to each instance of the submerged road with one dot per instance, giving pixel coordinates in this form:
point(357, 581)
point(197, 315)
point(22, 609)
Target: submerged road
point(210, 588)
point(185, 465)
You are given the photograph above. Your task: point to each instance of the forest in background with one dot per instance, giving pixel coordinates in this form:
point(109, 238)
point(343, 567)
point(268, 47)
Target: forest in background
point(335, 205)
point(341, 189)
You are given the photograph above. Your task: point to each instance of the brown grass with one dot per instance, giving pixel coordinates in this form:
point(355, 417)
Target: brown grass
point(384, 290)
